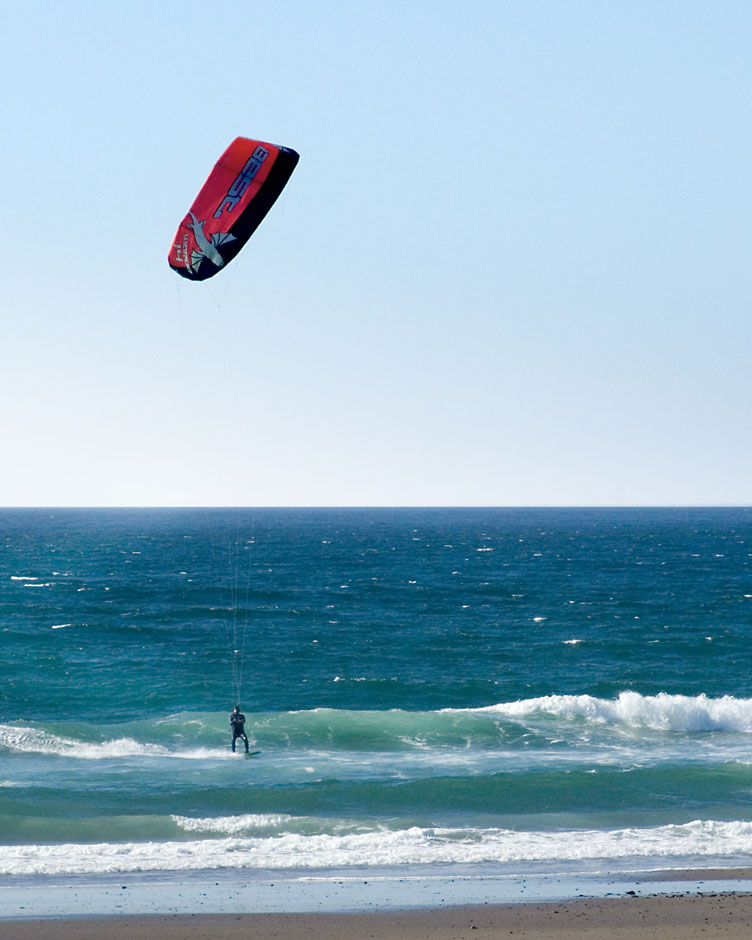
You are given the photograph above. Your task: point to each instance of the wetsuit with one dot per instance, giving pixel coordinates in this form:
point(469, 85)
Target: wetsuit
point(237, 723)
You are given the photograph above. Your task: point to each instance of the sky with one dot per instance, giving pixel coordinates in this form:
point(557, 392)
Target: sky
point(512, 267)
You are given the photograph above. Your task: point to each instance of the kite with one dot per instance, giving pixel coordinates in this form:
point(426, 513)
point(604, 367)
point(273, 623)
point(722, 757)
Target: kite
point(240, 190)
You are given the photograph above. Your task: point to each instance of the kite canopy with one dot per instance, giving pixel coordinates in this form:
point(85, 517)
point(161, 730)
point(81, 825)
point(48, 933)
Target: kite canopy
point(240, 190)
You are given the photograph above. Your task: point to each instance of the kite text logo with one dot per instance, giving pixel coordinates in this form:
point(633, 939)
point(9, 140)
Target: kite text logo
point(181, 253)
point(242, 181)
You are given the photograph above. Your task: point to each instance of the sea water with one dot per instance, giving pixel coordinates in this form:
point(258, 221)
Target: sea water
point(446, 690)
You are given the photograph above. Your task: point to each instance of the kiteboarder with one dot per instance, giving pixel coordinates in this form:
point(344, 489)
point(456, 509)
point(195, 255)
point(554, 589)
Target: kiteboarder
point(237, 723)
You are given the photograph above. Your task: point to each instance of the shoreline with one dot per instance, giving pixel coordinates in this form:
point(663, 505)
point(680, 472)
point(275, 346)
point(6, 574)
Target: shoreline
point(241, 893)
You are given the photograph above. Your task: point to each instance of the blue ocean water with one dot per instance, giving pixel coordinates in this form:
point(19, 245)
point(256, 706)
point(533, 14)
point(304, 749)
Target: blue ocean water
point(479, 689)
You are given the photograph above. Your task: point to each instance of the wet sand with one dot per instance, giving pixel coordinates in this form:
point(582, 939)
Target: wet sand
point(672, 905)
point(686, 917)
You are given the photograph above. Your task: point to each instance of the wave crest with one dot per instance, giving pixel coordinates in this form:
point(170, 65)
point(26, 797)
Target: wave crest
point(36, 741)
point(662, 712)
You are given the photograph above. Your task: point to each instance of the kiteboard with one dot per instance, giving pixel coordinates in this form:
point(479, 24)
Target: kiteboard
point(253, 753)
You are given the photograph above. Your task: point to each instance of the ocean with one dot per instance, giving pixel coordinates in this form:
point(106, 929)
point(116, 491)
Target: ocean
point(443, 690)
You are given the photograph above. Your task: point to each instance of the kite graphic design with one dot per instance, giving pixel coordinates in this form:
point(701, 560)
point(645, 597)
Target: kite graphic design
point(207, 247)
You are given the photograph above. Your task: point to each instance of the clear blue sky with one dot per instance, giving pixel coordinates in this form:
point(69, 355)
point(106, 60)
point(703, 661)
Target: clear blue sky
point(511, 268)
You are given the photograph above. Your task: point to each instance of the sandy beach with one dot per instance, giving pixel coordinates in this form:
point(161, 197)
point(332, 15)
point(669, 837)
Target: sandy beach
point(668, 918)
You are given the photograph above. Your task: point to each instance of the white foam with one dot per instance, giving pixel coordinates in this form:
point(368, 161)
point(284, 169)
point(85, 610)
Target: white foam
point(661, 712)
point(34, 740)
point(413, 846)
point(235, 825)
point(270, 824)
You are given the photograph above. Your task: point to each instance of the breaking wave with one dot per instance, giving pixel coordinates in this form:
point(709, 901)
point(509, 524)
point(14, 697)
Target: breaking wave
point(660, 845)
point(537, 721)
point(661, 712)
